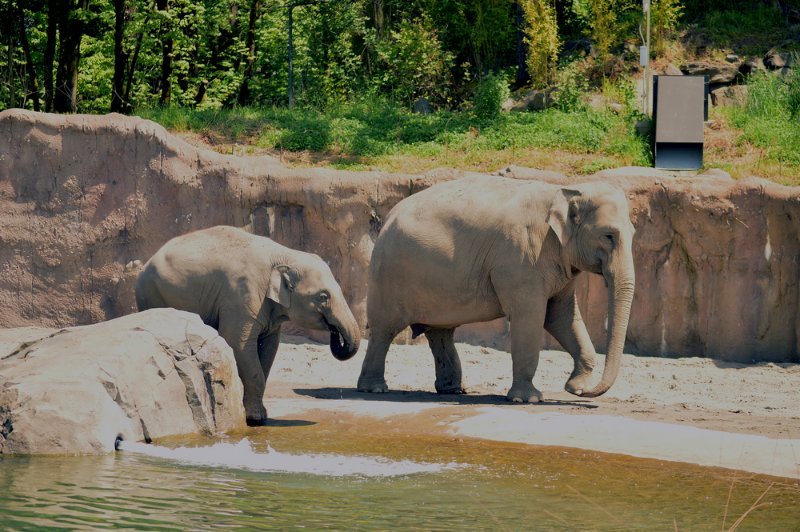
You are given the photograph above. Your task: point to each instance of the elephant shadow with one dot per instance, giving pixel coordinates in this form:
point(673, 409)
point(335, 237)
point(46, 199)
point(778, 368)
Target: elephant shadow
point(405, 396)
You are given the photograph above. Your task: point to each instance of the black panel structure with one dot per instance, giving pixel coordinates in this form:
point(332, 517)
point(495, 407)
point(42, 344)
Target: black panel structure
point(680, 106)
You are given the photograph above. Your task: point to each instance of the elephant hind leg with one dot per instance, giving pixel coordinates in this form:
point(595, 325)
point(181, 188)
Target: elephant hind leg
point(445, 356)
point(373, 369)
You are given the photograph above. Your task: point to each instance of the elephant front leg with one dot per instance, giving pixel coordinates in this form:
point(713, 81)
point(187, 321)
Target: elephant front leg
point(244, 343)
point(565, 323)
point(526, 340)
point(267, 348)
point(448, 365)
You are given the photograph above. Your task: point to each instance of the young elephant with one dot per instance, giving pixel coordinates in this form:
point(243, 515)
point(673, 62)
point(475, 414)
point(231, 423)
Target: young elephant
point(246, 286)
point(479, 248)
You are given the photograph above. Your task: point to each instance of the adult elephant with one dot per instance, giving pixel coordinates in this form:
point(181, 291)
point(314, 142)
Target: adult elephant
point(483, 247)
point(246, 286)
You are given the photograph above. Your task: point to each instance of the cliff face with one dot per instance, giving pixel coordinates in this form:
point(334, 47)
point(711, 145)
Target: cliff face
point(83, 197)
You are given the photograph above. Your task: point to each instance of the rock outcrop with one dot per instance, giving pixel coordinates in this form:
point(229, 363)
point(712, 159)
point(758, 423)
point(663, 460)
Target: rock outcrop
point(148, 375)
point(83, 197)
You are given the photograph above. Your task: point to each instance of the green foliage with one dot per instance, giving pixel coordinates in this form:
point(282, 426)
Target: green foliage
point(793, 93)
point(571, 85)
point(490, 94)
point(363, 132)
point(412, 63)
point(664, 18)
point(770, 118)
point(606, 21)
point(750, 29)
point(542, 39)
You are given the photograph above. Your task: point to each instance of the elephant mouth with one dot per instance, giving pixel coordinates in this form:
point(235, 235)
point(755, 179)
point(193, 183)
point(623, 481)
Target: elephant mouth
point(340, 347)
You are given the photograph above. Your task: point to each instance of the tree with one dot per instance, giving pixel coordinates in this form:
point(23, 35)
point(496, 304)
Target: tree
point(71, 15)
point(250, 44)
point(118, 102)
point(165, 82)
point(53, 8)
point(30, 66)
point(541, 38)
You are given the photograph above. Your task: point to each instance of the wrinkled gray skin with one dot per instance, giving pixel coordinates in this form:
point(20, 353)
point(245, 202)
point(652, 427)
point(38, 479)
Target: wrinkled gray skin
point(246, 286)
point(479, 248)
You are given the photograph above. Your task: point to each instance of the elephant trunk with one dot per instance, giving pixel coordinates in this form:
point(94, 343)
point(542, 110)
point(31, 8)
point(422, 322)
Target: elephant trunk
point(345, 334)
point(621, 283)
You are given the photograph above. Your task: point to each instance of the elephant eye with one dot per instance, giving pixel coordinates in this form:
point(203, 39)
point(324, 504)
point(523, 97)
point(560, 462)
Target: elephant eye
point(611, 239)
point(323, 297)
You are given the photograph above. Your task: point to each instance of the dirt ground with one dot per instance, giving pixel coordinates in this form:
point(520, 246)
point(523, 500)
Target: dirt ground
point(684, 409)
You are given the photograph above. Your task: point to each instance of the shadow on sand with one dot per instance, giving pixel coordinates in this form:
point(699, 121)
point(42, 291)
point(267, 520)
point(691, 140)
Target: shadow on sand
point(401, 396)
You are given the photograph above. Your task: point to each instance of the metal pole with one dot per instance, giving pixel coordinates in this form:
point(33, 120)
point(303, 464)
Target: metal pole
point(647, 67)
point(644, 58)
point(291, 67)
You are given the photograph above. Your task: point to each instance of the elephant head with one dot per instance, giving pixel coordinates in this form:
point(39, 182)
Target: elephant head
point(313, 299)
point(592, 224)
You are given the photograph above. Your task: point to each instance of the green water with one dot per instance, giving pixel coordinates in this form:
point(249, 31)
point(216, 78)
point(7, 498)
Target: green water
point(500, 487)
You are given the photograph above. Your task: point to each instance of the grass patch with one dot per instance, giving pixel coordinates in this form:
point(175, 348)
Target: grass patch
point(770, 119)
point(382, 135)
point(748, 31)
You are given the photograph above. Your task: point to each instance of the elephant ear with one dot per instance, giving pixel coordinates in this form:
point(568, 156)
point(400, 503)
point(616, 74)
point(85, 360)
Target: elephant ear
point(281, 285)
point(564, 214)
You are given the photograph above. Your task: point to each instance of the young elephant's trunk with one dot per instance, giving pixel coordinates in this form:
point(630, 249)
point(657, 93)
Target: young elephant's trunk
point(345, 334)
point(621, 282)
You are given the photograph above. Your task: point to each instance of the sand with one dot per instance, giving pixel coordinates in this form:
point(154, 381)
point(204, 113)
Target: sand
point(693, 410)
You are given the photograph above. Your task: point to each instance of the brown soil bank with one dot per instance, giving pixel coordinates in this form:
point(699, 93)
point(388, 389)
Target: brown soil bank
point(83, 197)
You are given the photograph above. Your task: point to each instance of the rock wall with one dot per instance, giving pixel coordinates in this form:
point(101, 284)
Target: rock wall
point(83, 197)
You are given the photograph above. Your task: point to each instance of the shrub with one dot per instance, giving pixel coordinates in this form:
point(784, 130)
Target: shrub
point(571, 84)
point(665, 15)
point(413, 63)
point(490, 94)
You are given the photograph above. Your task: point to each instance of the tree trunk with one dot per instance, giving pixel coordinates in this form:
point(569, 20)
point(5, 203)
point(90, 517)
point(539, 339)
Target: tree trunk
point(53, 14)
point(10, 79)
point(377, 16)
point(70, 35)
point(166, 59)
point(134, 61)
point(523, 76)
point(119, 103)
point(250, 42)
point(30, 66)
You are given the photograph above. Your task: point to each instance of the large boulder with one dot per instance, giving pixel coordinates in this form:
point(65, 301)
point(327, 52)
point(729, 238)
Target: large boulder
point(156, 373)
point(729, 96)
point(718, 73)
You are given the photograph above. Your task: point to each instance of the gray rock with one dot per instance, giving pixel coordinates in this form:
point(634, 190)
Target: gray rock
point(422, 106)
point(752, 65)
point(732, 58)
point(776, 60)
point(727, 96)
point(672, 70)
point(532, 100)
point(718, 73)
point(148, 375)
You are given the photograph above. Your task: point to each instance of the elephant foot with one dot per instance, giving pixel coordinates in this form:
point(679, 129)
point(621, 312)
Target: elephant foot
point(577, 384)
point(256, 422)
point(255, 416)
point(525, 394)
point(372, 385)
point(453, 390)
point(450, 385)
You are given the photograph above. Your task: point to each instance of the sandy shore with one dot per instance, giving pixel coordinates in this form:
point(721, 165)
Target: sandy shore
point(692, 410)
